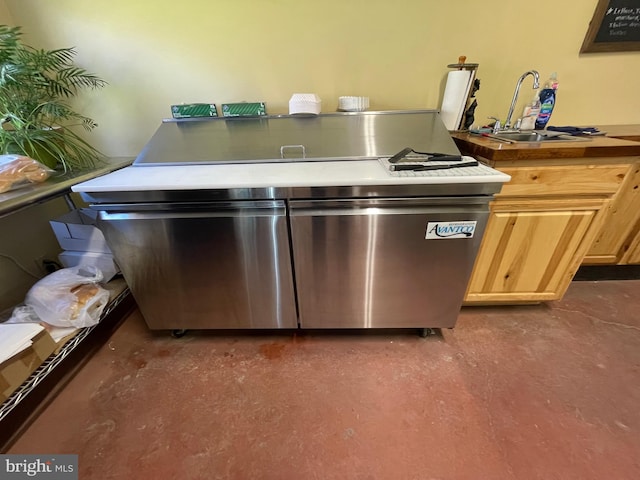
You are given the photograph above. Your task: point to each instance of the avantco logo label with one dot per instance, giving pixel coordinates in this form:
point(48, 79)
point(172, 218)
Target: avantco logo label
point(440, 230)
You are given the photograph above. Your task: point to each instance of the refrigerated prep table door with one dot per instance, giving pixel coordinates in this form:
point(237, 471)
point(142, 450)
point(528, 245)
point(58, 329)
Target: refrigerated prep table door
point(210, 265)
point(384, 263)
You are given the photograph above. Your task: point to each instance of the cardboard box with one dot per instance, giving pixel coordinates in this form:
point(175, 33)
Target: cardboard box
point(14, 371)
point(77, 231)
point(103, 261)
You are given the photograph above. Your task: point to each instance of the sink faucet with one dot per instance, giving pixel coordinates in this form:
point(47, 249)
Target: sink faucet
point(536, 84)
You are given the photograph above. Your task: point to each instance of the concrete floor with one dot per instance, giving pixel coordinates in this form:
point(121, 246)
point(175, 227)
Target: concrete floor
point(543, 392)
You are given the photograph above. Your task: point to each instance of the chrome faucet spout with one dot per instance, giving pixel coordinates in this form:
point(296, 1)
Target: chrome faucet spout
point(536, 84)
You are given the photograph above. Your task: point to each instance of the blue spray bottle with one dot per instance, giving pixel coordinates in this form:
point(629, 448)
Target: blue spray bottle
point(547, 101)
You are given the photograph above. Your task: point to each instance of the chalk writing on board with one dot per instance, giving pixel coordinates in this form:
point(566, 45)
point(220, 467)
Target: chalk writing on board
point(620, 24)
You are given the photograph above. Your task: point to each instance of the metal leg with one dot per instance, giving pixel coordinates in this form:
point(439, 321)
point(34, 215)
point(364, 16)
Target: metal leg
point(426, 332)
point(70, 203)
point(178, 333)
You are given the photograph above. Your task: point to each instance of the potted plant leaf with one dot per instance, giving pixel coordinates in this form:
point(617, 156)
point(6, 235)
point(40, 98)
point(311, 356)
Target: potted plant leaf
point(35, 88)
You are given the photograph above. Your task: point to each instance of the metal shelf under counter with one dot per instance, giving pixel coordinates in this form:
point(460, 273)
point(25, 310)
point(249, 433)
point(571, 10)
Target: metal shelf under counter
point(50, 377)
point(30, 398)
point(118, 291)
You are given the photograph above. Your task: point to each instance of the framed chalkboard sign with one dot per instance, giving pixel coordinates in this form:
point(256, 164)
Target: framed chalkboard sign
point(615, 27)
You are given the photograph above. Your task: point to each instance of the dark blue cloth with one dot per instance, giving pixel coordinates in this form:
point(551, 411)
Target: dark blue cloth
point(575, 130)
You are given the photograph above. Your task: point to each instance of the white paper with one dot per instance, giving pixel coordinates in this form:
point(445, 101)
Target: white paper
point(16, 337)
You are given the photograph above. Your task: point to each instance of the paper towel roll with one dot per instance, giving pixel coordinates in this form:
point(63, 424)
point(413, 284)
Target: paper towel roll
point(455, 97)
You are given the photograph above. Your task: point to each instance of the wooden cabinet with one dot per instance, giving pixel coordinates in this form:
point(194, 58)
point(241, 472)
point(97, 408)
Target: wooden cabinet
point(531, 250)
point(567, 203)
point(541, 226)
point(619, 240)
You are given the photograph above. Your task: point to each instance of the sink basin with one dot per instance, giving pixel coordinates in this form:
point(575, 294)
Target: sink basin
point(536, 137)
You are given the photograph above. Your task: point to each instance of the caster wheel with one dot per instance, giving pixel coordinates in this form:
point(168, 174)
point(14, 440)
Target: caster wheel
point(179, 333)
point(426, 332)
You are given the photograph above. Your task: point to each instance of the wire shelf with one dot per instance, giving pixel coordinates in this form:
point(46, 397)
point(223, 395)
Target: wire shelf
point(55, 359)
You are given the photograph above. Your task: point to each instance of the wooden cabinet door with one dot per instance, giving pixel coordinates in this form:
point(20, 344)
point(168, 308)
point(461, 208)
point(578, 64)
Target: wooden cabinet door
point(615, 240)
point(530, 256)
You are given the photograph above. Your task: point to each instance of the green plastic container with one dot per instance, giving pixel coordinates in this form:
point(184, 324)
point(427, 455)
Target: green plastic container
point(194, 110)
point(244, 109)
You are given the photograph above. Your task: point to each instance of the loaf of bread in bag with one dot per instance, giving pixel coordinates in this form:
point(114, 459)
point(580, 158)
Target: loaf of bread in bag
point(21, 170)
point(84, 293)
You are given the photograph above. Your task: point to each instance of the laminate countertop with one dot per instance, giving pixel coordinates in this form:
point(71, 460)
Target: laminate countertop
point(589, 147)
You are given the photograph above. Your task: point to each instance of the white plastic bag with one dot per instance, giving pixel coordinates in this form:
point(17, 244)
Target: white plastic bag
point(23, 314)
point(70, 297)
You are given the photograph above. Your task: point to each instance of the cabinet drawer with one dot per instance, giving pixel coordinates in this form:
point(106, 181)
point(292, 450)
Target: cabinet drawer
point(601, 180)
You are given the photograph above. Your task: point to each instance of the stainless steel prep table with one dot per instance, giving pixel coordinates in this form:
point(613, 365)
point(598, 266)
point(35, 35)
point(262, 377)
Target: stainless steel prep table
point(217, 225)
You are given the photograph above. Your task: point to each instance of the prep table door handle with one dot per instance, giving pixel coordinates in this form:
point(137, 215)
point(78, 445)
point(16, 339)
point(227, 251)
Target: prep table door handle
point(283, 148)
point(196, 210)
point(476, 205)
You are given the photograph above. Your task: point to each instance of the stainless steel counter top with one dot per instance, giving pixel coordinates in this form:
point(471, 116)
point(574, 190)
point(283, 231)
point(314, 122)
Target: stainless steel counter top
point(289, 138)
point(58, 184)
